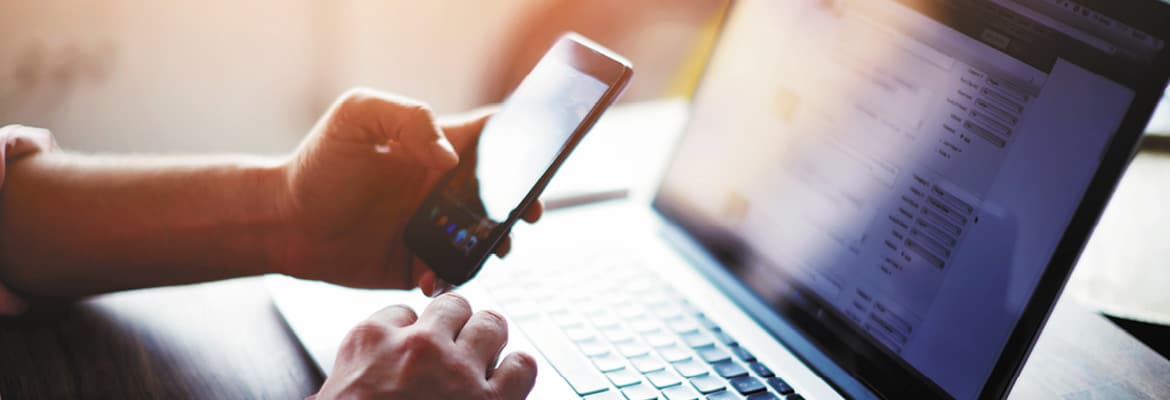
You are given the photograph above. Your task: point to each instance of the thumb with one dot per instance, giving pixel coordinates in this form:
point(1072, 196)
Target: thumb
point(463, 130)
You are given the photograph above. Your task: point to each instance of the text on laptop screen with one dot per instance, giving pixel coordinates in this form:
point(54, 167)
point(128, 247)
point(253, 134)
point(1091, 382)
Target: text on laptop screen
point(909, 166)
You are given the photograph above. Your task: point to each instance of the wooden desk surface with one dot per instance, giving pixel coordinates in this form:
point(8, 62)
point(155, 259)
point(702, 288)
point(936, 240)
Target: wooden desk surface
point(226, 340)
point(220, 340)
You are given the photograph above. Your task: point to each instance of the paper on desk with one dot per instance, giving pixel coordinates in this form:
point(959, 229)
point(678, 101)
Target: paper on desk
point(1125, 269)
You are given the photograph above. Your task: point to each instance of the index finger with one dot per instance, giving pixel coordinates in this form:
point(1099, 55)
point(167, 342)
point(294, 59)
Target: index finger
point(463, 130)
point(446, 315)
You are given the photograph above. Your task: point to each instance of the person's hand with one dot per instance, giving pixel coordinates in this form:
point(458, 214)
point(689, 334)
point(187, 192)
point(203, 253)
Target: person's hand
point(447, 353)
point(354, 182)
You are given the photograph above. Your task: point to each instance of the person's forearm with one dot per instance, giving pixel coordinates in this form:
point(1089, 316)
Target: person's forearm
point(74, 225)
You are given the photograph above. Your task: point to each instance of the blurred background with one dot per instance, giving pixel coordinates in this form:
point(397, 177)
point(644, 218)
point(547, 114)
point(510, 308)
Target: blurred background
point(225, 76)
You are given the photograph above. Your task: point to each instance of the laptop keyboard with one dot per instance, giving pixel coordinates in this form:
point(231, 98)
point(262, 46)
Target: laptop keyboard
point(614, 330)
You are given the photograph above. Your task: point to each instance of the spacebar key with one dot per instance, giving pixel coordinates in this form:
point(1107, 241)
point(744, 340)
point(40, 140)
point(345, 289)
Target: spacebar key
point(563, 355)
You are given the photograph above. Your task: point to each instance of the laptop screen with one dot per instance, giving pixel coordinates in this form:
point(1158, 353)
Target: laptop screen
point(896, 176)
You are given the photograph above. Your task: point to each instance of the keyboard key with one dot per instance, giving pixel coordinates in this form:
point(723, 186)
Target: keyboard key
point(794, 396)
point(729, 369)
point(521, 310)
point(682, 325)
point(629, 312)
point(707, 323)
point(647, 363)
point(645, 325)
point(606, 395)
point(742, 353)
point(724, 338)
point(747, 385)
point(659, 338)
point(724, 395)
point(663, 378)
point(633, 349)
point(680, 392)
point(563, 356)
point(543, 292)
point(590, 308)
point(666, 310)
point(690, 368)
point(579, 333)
point(764, 396)
point(640, 392)
point(712, 354)
point(674, 353)
point(697, 339)
point(707, 384)
point(624, 377)
point(658, 293)
point(760, 369)
point(640, 285)
point(593, 347)
point(780, 385)
point(604, 320)
point(609, 362)
point(586, 301)
point(566, 319)
point(618, 334)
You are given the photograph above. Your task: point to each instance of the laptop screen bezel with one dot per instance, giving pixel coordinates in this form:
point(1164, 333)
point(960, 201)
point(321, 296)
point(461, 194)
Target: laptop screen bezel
point(830, 356)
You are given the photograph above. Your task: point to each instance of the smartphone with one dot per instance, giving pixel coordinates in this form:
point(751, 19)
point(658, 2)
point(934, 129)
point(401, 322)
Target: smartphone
point(472, 209)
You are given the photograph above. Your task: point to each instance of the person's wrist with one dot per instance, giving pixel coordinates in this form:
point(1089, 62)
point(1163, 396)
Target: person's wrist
point(272, 180)
point(282, 205)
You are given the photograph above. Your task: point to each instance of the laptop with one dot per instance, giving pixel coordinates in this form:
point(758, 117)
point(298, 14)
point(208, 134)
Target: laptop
point(870, 199)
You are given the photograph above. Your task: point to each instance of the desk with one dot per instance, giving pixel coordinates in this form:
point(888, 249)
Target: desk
point(220, 340)
point(226, 340)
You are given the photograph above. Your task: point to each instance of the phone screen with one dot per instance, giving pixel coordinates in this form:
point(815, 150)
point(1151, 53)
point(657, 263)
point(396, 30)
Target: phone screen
point(516, 147)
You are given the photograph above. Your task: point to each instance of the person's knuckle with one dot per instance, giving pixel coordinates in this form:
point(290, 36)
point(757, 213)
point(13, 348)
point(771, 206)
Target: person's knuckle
point(367, 334)
point(415, 107)
point(355, 97)
point(353, 105)
point(419, 339)
point(456, 303)
point(417, 115)
point(495, 321)
point(418, 348)
point(402, 309)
